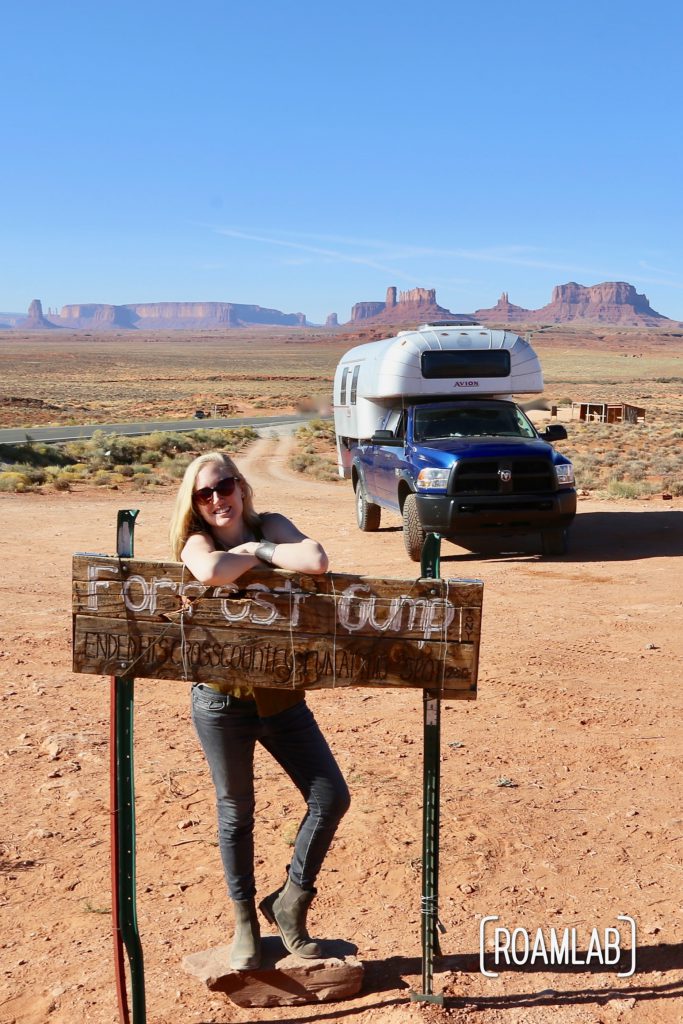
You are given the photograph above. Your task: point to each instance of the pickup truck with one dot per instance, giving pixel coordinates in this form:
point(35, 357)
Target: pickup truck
point(458, 468)
point(426, 426)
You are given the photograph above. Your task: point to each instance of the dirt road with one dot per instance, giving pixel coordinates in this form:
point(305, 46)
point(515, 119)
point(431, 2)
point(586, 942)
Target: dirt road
point(561, 785)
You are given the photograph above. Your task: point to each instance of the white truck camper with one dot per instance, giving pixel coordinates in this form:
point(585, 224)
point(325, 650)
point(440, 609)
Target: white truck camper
point(435, 361)
point(426, 426)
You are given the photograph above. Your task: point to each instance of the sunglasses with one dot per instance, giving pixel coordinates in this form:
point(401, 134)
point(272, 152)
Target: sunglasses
point(224, 488)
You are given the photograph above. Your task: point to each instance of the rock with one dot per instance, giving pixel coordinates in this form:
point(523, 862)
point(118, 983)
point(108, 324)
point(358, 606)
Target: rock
point(283, 979)
point(612, 302)
point(332, 320)
point(173, 315)
point(504, 312)
point(35, 320)
point(417, 304)
point(52, 748)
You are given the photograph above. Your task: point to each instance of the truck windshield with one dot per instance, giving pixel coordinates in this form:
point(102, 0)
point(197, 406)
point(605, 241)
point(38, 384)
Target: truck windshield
point(503, 420)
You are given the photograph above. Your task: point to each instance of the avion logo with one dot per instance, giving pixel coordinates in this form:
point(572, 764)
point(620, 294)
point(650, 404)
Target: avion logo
point(466, 384)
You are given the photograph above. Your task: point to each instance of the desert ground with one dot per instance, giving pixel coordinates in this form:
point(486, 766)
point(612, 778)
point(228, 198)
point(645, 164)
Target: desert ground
point(579, 708)
point(561, 790)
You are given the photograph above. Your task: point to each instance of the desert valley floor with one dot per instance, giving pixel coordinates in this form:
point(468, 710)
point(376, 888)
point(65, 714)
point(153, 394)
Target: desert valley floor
point(579, 709)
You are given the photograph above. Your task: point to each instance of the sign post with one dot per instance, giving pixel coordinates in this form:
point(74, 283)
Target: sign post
point(276, 629)
point(122, 800)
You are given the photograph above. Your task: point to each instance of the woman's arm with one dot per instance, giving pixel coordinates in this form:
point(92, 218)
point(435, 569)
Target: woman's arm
point(213, 567)
point(293, 549)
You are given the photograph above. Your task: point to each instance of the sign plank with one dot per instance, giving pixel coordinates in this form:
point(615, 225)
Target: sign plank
point(276, 629)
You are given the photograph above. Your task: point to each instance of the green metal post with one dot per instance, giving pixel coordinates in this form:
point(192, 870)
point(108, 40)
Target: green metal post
point(123, 832)
point(430, 809)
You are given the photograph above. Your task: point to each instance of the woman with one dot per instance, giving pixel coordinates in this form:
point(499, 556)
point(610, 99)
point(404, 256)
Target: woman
point(218, 535)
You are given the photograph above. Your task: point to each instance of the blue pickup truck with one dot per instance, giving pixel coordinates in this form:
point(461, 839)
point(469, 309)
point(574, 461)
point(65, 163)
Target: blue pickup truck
point(451, 452)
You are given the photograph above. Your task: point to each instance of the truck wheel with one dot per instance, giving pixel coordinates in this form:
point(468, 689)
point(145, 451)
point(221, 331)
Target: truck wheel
point(554, 542)
point(367, 514)
point(413, 534)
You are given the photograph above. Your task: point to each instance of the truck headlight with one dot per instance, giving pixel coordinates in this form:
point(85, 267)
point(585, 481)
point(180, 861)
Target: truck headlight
point(433, 479)
point(564, 473)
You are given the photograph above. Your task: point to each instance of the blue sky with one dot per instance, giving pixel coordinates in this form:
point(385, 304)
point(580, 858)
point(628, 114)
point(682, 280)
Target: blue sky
point(305, 156)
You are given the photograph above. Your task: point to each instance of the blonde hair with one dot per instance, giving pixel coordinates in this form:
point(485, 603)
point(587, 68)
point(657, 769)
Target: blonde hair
point(186, 520)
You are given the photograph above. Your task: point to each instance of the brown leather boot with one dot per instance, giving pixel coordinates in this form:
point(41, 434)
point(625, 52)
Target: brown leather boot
point(245, 952)
point(286, 909)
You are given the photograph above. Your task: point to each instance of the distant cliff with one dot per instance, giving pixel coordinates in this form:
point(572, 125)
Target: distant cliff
point(35, 321)
point(100, 316)
point(416, 304)
point(173, 316)
point(612, 302)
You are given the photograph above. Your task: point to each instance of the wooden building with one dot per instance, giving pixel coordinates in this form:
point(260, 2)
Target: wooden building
point(607, 412)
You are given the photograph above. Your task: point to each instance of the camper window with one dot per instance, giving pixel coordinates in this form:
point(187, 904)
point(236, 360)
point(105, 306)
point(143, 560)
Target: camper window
point(354, 384)
point(438, 364)
point(342, 387)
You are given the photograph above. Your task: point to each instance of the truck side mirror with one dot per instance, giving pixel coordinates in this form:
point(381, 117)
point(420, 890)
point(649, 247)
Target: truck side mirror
point(385, 437)
point(554, 432)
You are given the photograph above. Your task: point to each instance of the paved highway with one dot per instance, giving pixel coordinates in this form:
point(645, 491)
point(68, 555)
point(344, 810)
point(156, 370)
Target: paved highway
point(51, 435)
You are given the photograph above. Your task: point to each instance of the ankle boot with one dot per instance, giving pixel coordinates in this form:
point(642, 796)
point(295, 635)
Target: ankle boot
point(286, 909)
point(245, 952)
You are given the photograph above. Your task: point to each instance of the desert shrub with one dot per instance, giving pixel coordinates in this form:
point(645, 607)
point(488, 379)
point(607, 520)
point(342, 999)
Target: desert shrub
point(15, 483)
point(77, 470)
point(146, 480)
point(139, 469)
point(624, 489)
point(301, 461)
point(176, 467)
point(635, 470)
point(230, 439)
point(34, 474)
point(61, 483)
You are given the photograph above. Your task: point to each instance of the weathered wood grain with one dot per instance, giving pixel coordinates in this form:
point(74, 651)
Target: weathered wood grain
point(275, 628)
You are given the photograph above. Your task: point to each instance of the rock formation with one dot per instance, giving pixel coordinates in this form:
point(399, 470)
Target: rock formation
point(174, 316)
point(612, 302)
point(415, 304)
point(332, 320)
point(504, 311)
point(35, 320)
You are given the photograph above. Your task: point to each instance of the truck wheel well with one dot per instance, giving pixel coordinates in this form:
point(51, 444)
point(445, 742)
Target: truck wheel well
point(403, 491)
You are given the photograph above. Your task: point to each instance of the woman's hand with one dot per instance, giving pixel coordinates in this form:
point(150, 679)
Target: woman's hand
point(214, 567)
point(248, 548)
point(294, 550)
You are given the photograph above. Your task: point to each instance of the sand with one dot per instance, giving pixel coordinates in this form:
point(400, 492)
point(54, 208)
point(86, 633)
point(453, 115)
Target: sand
point(579, 710)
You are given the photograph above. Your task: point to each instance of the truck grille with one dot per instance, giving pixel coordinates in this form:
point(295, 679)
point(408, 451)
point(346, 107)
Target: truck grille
point(485, 476)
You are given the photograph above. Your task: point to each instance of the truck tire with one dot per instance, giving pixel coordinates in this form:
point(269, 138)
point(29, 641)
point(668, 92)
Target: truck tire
point(413, 534)
point(367, 513)
point(554, 542)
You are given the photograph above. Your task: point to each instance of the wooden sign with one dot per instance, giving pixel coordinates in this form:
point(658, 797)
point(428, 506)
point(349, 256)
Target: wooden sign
point(275, 628)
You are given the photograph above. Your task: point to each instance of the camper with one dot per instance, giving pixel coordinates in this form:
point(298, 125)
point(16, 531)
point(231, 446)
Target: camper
point(426, 426)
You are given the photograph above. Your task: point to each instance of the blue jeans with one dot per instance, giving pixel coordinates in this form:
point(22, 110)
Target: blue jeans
point(228, 728)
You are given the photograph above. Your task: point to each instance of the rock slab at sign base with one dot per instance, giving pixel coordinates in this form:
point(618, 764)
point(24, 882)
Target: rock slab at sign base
point(282, 979)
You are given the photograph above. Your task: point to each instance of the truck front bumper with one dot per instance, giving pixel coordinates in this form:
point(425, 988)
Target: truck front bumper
point(447, 514)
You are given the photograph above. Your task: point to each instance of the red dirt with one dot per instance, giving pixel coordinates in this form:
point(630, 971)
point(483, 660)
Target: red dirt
point(579, 707)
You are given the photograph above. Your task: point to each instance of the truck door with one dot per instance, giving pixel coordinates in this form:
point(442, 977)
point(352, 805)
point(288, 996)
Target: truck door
point(389, 459)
